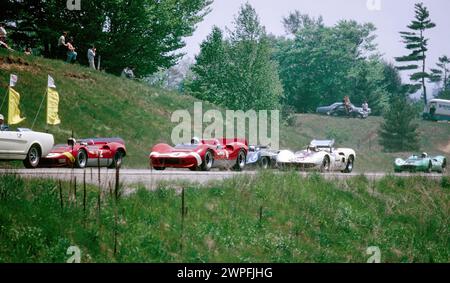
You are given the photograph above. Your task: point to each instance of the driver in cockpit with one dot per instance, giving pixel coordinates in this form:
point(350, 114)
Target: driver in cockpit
point(3, 127)
point(424, 155)
point(195, 141)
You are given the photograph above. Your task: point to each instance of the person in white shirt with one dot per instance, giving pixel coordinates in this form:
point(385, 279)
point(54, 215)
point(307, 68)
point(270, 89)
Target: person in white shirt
point(91, 56)
point(3, 33)
point(62, 46)
point(365, 106)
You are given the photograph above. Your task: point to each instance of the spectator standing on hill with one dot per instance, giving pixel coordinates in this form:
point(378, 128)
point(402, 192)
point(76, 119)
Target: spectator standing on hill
point(365, 106)
point(62, 46)
point(347, 104)
point(71, 54)
point(91, 56)
point(3, 33)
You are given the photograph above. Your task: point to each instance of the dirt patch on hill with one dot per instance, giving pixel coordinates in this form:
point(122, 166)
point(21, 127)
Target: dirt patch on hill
point(445, 148)
point(11, 63)
point(79, 76)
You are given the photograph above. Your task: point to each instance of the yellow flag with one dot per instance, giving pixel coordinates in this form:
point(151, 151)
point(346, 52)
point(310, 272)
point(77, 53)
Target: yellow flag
point(13, 108)
point(52, 107)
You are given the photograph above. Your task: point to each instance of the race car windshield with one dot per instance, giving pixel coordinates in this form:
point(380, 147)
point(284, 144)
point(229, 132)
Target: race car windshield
point(186, 146)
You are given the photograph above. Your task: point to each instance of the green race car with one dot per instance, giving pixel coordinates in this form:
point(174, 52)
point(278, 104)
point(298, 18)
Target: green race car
point(423, 163)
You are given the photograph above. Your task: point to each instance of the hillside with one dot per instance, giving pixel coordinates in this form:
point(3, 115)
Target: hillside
point(97, 104)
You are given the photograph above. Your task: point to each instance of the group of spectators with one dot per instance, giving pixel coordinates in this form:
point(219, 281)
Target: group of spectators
point(67, 51)
point(349, 108)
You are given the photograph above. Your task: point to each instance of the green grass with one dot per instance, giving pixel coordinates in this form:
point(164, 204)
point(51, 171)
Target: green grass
point(303, 220)
point(98, 104)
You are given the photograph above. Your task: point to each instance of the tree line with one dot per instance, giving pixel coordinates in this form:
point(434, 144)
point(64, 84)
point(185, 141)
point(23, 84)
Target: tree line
point(143, 34)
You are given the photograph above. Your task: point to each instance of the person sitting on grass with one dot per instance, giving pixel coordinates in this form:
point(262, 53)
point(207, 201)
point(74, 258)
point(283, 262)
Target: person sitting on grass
point(28, 51)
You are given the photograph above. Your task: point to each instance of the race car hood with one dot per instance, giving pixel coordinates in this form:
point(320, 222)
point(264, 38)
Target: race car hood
point(61, 149)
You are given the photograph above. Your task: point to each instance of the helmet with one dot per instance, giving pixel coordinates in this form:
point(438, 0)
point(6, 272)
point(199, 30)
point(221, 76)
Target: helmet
point(195, 140)
point(424, 155)
point(1, 117)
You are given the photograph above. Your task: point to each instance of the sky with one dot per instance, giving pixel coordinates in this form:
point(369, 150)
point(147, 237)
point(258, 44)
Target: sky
point(389, 16)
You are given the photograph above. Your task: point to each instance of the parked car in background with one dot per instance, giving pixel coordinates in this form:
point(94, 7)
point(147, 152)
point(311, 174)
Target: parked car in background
point(422, 163)
point(437, 110)
point(26, 145)
point(262, 156)
point(319, 155)
point(201, 155)
point(338, 109)
point(92, 152)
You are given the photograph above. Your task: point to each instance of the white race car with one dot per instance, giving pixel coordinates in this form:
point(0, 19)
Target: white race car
point(26, 145)
point(319, 155)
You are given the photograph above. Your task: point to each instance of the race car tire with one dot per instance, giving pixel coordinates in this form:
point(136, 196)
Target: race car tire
point(350, 164)
point(33, 157)
point(264, 163)
point(444, 167)
point(240, 161)
point(325, 167)
point(117, 160)
point(429, 169)
point(81, 159)
point(159, 168)
point(208, 161)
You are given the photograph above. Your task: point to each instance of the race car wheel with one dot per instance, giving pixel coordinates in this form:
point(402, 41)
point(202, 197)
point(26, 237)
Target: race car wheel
point(82, 158)
point(444, 166)
point(265, 163)
point(429, 169)
point(350, 163)
point(117, 161)
point(240, 161)
point(159, 168)
point(33, 157)
point(208, 161)
point(325, 167)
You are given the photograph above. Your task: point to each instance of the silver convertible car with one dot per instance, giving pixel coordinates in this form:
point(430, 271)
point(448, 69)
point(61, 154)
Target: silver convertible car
point(26, 145)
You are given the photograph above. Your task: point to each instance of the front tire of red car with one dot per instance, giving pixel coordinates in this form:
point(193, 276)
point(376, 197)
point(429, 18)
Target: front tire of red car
point(82, 159)
point(159, 168)
point(240, 161)
point(208, 161)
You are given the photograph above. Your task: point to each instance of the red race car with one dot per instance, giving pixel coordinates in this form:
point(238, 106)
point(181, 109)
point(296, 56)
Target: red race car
point(108, 152)
point(201, 155)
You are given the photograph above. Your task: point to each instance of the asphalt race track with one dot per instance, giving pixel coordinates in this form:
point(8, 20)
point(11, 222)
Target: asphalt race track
point(151, 178)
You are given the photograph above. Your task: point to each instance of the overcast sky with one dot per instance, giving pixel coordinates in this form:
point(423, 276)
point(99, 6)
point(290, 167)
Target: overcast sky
point(392, 17)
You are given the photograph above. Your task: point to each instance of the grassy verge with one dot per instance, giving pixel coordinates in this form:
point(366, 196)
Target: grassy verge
point(273, 218)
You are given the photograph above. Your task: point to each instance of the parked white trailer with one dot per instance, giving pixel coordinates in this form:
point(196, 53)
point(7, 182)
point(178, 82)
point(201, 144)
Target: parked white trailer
point(437, 110)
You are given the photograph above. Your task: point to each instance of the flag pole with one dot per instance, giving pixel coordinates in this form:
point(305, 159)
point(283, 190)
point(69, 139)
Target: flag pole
point(40, 107)
point(4, 98)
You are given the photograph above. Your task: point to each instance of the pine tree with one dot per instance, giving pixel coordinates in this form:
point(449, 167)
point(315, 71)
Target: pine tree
point(442, 73)
point(416, 42)
point(399, 132)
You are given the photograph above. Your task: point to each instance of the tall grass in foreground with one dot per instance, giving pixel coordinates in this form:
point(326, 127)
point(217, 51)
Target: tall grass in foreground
point(273, 218)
